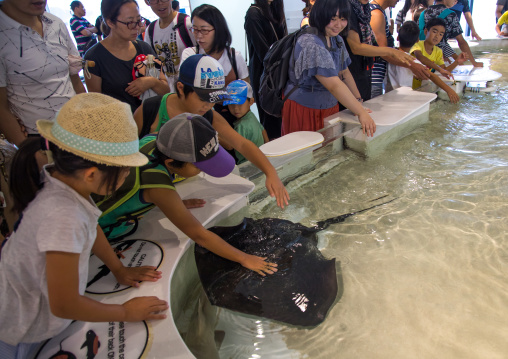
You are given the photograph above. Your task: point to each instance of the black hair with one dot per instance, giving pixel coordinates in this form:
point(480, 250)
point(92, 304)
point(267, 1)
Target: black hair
point(307, 8)
point(409, 34)
point(75, 4)
point(407, 5)
point(158, 158)
point(25, 179)
point(435, 21)
point(273, 12)
point(222, 36)
point(110, 10)
point(324, 10)
point(187, 89)
point(175, 4)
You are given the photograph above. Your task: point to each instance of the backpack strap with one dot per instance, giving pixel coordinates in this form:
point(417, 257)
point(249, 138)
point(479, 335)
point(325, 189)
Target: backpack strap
point(232, 60)
point(445, 13)
point(151, 28)
point(421, 25)
point(184, 35)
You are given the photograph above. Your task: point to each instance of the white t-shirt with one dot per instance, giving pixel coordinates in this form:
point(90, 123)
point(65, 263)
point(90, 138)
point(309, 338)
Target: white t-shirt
point(400, 76)
point(241, 66)
point(169, 48)
point(58, 219)
point(35, 69)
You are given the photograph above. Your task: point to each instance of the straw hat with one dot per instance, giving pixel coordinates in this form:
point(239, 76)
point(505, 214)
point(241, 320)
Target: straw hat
point(98, 128)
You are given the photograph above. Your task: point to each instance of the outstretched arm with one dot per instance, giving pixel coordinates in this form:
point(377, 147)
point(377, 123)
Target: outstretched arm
point(340, 91)
point(170, 203)
point(431, 64)
point(252, 153)
point(464, 47)
point(452, 95)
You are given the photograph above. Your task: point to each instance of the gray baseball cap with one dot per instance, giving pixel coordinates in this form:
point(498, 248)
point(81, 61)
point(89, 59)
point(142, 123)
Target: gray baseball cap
point(191, 138)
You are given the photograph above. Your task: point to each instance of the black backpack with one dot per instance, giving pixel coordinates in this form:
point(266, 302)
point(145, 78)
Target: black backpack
point(180, 26)
point(275, 74)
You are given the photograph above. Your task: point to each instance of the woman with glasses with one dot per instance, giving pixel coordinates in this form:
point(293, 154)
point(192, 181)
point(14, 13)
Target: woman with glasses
point(214, 39)
point(265, 23)
point(115, 55)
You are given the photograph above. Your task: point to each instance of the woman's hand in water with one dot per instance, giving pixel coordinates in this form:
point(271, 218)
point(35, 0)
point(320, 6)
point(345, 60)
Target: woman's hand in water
point(276, 189)
point(133, 275)
point(144, 308)
point(194, 203)
point(259, 265)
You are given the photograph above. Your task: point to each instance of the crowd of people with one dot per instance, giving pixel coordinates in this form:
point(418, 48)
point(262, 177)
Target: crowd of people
point(165, 101)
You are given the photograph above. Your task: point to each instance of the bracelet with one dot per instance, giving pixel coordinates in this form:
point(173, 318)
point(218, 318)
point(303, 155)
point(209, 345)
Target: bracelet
point(360, 99)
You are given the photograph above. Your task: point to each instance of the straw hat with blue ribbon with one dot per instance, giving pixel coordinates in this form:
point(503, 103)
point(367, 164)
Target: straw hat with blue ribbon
point(98, 128)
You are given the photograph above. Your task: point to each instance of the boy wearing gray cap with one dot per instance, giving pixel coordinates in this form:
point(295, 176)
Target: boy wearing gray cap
point(184, 146)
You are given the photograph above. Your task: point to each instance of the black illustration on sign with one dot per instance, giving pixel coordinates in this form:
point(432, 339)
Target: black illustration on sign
point(132, 253)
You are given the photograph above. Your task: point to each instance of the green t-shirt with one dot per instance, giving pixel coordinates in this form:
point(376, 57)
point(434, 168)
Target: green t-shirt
point(250, 128)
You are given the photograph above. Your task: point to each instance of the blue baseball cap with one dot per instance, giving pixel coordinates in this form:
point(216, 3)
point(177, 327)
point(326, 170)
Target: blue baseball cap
point(206, 76)
point(239, 91)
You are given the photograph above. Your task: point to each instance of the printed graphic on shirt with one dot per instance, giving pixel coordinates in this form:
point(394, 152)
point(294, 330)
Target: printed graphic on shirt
point(167, 53)
point(98, 341)
point(132, 253)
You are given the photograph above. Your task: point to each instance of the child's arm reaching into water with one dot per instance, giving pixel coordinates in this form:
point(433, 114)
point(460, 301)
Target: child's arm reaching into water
point(62, 273)
point(170, 203)
point(452, 95)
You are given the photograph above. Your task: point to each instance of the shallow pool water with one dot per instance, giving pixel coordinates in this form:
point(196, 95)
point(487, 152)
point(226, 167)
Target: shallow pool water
point(425, 276)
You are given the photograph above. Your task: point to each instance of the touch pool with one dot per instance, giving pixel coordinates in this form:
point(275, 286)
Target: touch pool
point(424, 276)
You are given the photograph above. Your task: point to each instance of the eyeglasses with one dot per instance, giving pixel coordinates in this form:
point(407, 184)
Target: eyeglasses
point(203, 32)
point(155, 2)
point(131, 25)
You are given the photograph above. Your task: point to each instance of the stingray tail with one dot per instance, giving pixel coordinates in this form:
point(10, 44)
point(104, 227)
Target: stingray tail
point(325, 223)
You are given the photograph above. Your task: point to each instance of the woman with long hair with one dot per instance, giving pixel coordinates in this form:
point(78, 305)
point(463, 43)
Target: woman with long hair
point(214, 39)
point(321, 73)
point(265, 23)
point(114, 56)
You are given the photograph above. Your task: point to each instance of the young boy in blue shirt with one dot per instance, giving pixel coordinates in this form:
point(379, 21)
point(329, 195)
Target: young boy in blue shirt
point(247, 125)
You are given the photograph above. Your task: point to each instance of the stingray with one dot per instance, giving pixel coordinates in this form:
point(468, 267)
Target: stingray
point(300, 293)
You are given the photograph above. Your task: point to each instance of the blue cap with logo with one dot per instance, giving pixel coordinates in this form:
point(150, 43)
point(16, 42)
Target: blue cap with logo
point(239, 91)
point(206, 76)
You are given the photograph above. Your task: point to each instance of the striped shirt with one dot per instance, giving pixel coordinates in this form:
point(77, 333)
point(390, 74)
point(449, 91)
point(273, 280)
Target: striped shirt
point(379, 68)
point(79, 24)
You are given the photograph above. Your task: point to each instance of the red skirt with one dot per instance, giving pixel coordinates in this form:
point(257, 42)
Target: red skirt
point(296, 117)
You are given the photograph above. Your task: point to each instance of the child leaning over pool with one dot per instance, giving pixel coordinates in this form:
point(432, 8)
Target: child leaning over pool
point(247, 124)
point(429, 54)
point(400, 76)
point(44, 263)
point(185, 145)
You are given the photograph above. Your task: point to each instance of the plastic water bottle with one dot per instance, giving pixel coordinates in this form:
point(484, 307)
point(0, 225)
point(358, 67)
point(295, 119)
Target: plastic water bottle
point(152, 71)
